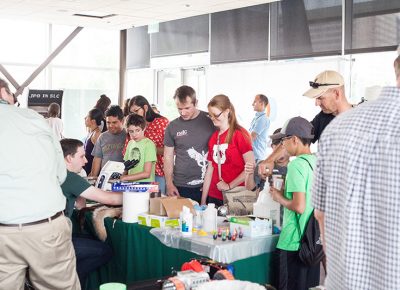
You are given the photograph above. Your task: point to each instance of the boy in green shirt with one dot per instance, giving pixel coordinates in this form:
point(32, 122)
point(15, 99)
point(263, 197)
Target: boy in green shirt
point(140, 152)
point(296, 136)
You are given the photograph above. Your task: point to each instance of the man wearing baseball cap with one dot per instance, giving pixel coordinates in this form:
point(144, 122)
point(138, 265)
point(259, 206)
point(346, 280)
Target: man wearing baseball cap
point(328, 91)
point(295, 197)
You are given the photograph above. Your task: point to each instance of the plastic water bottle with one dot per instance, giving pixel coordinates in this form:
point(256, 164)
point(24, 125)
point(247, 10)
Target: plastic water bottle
point(210, 218)
point(186, 219)
point(198, 218)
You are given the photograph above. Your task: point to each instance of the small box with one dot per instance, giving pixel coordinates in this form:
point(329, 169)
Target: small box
point(163, 221)
point(169, 206)
point(144, 219)
point(251, 228)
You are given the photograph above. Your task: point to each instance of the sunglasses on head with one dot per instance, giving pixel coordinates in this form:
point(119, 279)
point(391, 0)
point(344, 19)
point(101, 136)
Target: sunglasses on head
point(316, 85)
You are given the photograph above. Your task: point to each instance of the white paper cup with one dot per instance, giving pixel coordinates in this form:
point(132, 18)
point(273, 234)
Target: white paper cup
point(277, 183)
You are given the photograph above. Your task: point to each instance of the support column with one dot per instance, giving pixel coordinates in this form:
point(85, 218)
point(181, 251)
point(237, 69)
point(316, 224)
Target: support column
point(122, 68)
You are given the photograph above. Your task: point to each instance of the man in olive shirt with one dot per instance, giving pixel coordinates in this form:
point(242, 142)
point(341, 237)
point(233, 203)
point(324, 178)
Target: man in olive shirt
point(90, 253)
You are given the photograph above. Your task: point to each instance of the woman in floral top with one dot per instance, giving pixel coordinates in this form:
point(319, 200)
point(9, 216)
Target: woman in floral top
point(155, 129)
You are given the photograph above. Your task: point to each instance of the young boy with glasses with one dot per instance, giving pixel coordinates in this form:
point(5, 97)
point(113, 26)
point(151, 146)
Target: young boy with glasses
point(295, 197)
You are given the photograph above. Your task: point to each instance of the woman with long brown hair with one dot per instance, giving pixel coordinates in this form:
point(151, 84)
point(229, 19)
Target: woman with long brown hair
point(228, 148)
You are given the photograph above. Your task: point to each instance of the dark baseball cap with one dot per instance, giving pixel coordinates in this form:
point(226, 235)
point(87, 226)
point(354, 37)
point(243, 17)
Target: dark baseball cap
point(296, 126)
point(275, 137)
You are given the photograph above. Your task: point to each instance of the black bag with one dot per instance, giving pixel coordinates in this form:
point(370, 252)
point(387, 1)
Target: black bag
point(311, 251)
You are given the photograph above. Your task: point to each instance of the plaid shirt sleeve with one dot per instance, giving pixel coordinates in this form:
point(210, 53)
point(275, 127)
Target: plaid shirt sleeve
point(319, 185)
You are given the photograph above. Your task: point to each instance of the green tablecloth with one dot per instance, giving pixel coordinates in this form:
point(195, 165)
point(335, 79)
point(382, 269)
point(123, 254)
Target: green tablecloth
point(138, 255)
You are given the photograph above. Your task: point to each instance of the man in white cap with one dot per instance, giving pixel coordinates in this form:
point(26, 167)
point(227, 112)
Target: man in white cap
point(328, 91)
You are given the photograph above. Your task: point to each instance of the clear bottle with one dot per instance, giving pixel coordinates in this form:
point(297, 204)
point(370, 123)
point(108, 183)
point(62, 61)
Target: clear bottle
point(210, 218)
point(186, 221)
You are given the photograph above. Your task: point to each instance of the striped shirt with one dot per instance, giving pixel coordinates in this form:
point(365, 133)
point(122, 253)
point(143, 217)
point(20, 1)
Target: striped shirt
point(357, 186)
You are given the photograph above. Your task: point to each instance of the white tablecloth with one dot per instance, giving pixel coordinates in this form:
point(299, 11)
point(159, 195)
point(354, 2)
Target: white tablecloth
point(225, 252)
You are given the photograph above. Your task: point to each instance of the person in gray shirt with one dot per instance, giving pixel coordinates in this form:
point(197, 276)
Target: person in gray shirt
point(110, 143)
point(187, 137)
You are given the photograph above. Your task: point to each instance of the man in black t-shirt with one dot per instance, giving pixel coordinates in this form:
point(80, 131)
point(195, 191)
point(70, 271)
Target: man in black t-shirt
point(328, 91)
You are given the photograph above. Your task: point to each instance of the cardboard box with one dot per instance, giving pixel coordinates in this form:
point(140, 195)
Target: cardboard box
point(169, 206)
point(251, 228)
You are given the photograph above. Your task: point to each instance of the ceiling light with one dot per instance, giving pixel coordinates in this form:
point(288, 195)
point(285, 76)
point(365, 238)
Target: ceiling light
point(94, 14)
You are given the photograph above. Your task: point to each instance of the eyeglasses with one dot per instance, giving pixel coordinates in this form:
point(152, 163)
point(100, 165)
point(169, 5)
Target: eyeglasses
point(211, 116)
point(316, 85)
point(136, 111)
point(286, 138)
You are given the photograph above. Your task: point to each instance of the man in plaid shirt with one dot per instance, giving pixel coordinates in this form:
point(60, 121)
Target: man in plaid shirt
point(355, 194)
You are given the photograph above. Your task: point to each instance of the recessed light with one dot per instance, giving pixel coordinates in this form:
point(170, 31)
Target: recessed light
point(94, 14)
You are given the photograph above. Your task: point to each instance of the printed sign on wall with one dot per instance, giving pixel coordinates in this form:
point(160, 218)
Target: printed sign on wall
point(39, 100)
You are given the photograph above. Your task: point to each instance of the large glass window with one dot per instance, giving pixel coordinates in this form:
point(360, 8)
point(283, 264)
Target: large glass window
point(141, 82)
point(23, 42)
point(283, 82)
point(82, 88)
point(21, 72)
point(369, 73)
point(90, 47)
point(86, 68)
point(168, 81)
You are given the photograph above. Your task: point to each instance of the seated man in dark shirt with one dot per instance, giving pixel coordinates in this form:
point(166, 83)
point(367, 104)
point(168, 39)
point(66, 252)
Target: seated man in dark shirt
point(90, 253)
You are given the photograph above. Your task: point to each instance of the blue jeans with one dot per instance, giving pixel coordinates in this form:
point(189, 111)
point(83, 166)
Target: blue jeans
point(190, 192)
point(90, 254)
point(216, 201)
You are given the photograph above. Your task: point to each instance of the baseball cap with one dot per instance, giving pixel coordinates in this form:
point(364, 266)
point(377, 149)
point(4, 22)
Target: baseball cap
point(296, 126)
point(275, 137)
point(324, 81)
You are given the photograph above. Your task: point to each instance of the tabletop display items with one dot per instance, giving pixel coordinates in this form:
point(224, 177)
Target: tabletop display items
point(186, 222)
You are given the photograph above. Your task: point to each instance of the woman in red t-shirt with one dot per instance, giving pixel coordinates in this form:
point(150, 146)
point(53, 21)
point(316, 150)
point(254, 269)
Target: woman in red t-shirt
point(230, 146)
point(155, 130)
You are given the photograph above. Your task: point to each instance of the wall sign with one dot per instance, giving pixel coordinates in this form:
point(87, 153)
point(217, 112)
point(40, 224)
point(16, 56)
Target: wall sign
point(39, 100)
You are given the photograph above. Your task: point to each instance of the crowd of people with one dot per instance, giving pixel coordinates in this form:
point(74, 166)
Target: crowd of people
point(350, 185)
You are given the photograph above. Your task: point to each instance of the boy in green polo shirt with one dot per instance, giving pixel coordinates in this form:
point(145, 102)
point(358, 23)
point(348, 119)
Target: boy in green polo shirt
point(140, 152)
point(296, 136)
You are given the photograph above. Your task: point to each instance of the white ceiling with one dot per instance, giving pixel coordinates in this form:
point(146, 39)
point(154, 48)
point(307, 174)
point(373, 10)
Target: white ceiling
point(129, 13)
